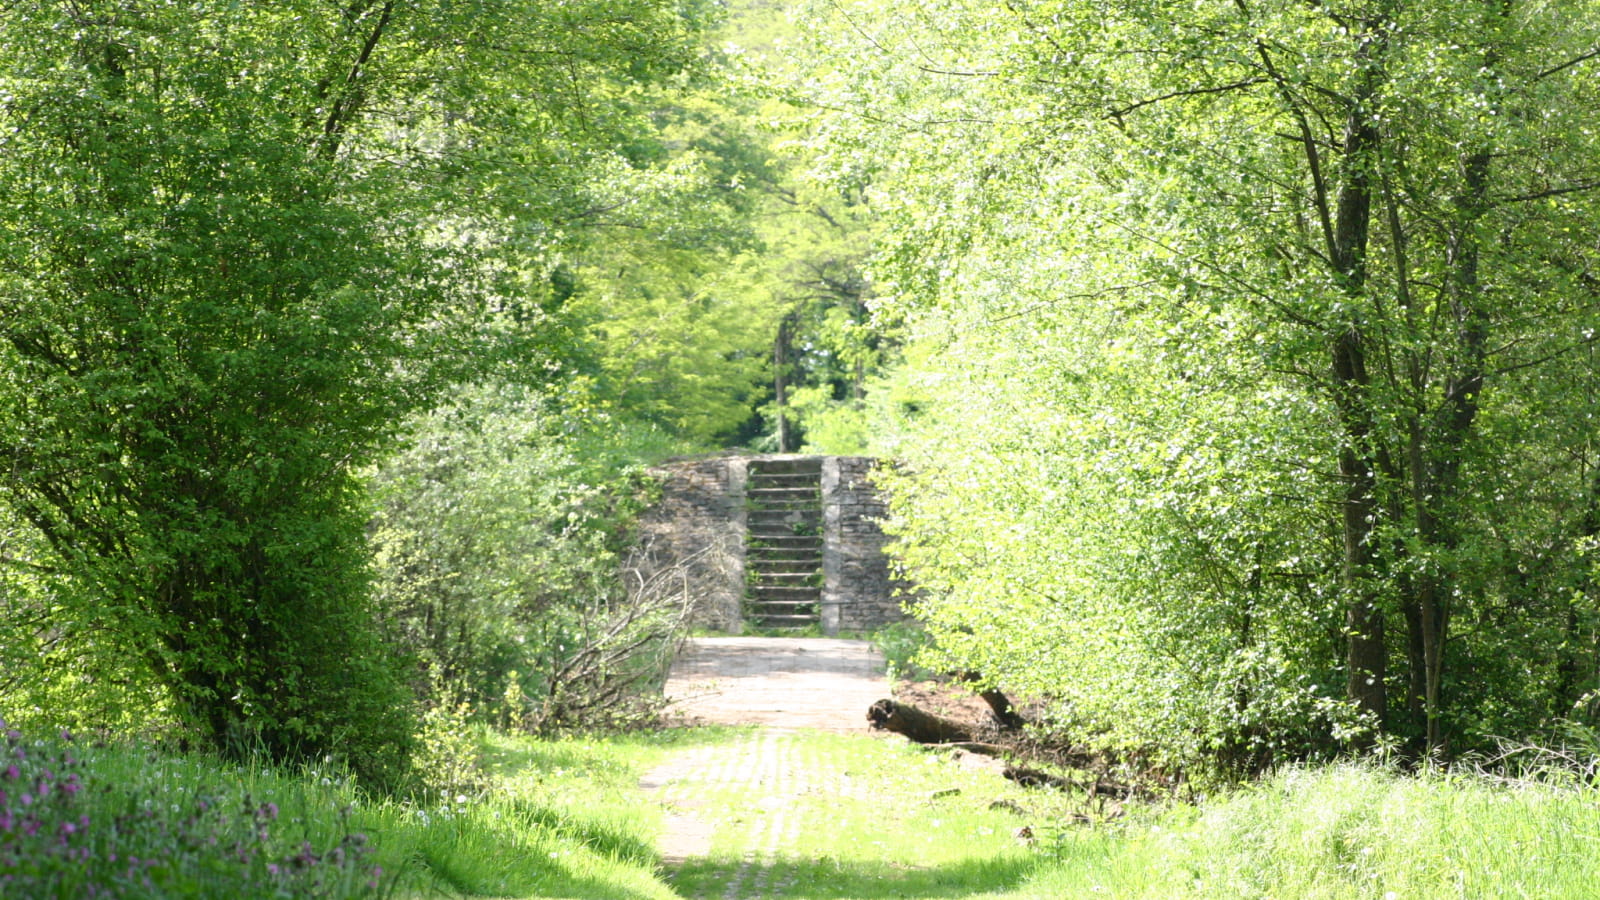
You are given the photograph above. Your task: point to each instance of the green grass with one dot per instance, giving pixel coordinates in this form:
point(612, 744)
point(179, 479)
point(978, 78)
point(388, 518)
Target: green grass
point(561, 819)
point(872, 818)
point(869, 819)
point(1348, 831)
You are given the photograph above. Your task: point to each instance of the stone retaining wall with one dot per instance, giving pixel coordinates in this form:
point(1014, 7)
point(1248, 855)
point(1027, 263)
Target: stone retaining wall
point(700, 525)
point(698, 528)
point(859, 592)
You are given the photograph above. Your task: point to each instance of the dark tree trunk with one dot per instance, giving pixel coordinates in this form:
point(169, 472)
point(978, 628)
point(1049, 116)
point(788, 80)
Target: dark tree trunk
point(1366, 653)
point(780, 387)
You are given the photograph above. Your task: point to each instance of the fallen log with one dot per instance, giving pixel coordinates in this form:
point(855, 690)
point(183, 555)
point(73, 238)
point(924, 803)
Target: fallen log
point(1100, 787)
point(918, 725)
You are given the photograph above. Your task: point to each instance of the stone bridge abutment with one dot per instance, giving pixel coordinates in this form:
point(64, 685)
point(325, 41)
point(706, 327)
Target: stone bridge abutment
point(776, 541)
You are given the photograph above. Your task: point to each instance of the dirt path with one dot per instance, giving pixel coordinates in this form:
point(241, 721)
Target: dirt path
point(780, 683)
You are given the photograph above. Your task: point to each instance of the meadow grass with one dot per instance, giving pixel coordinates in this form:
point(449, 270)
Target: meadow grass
point(1346, 831)
point(559, 819)
point(98, 821)
point(868, 819)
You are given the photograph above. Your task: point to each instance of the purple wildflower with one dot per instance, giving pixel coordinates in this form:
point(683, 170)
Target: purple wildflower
point(12, 773)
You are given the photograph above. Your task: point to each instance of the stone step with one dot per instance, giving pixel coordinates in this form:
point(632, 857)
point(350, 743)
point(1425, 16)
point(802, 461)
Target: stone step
point(786, 578)
point(782, 482)
point(785, 537)
point(784, 562)
point(781, 525)
point(784, 549)
point(785, 505)
point(769, 483)
point(786, 466)
point(764, 621)
point(783, 605)
point(762, 593)
point(783, 515)
point(794, 562)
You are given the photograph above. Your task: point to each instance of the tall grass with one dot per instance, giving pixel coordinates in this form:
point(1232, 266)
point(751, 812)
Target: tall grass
point(1348, 831)
point(559, 819)
point(566, 819)
point(95, 821)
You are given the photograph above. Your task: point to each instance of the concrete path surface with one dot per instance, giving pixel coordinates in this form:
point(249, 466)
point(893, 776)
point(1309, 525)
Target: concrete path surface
point(779, 682)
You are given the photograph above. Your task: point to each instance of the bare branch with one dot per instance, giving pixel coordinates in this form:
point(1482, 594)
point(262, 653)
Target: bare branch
point(1119, 112)
point(1554, 192)
point(1568, 64)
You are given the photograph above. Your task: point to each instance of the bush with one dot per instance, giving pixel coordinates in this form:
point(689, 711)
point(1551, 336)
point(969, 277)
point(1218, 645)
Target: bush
point(501, 538)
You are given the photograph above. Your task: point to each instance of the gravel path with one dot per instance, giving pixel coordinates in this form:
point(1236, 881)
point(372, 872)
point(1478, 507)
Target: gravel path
point(783, 684)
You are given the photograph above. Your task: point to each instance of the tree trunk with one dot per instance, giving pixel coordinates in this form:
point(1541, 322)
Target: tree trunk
point(1436, 469)
point(1366, 653)
point(780, 364)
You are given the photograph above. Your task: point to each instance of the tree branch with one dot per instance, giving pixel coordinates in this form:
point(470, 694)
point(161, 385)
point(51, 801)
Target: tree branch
point(1568, 64)
point(1553, 192)
point(1119, 112)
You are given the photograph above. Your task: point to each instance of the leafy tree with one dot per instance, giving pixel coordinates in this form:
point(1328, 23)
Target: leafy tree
point(815, 225)
point(229, 271)
point(1264, 293)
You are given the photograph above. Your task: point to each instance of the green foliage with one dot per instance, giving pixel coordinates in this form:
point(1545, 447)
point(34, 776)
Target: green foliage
point(446, 766)
point(240, 245)
point(901, 645)
point(501, 531)
point(1223, 391)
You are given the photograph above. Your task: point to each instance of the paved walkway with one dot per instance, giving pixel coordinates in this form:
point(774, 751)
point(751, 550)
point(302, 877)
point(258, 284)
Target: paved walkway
point(778, 682)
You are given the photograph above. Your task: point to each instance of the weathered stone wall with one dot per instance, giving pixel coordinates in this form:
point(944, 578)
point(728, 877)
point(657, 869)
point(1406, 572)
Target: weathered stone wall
point(859, 591)
point(698, 529)
point(700, 526)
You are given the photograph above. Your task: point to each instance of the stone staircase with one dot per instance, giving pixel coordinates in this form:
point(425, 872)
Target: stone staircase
point(783, 556)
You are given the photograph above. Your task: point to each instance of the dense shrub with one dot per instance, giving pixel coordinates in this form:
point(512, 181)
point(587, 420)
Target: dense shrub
point(501, 538)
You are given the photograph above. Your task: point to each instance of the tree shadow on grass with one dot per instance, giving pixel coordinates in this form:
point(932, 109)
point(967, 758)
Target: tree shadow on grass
point(828, 878)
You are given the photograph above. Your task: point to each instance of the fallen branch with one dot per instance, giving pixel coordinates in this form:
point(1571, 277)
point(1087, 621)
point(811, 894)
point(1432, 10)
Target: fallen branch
point(1005, 715)
point(978, 747)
